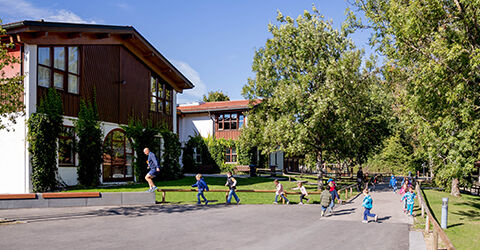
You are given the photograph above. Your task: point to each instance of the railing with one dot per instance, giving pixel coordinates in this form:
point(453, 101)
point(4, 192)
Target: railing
point(437, 230)
point(164, 191)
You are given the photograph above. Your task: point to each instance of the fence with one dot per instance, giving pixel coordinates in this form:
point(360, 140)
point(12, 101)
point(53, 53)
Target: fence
point(437, 230)
point(164, 191)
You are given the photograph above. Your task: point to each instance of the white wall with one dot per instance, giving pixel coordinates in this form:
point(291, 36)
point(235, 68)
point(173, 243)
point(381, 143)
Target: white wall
point(12, 159)
point(192, 124)
point(279, 159)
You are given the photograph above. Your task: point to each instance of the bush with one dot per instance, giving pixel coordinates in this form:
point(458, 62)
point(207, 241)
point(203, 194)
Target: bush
point(43, 130)
point(89, 146)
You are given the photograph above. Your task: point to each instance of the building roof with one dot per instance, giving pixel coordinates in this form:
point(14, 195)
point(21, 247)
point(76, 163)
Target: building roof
point(52, 33)
point(216, 106)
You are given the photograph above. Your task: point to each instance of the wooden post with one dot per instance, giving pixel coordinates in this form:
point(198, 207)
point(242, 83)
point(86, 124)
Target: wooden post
point(346, 194)
point(226, 197)
point(423, 210)
point(163, 196)
point(435, 239)
point(427, 225)
point(283, 200)
point(351, 191)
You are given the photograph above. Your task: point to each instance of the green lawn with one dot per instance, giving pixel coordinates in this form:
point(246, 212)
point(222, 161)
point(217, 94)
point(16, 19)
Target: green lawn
point(257, 183)
point(463, 227)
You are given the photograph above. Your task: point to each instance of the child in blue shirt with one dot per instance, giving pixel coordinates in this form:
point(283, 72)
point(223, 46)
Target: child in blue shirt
point(393, 183)
point(202, 186)
point(410, 199)
point(368, 204)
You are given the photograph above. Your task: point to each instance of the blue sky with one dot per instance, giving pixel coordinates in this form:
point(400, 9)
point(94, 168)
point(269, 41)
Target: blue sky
point(212, 42)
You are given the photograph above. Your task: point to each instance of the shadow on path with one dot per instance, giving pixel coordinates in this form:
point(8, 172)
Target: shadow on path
point(134, 211)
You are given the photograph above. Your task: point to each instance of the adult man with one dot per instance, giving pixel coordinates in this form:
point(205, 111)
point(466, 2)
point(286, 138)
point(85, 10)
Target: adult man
point(153, 166)
point(359, 179)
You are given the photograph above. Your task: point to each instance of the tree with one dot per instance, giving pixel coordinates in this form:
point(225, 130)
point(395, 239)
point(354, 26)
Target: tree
point(432, 51)
point(215, 96)
point(89, 145)
point(11, 87)
point(316, 98)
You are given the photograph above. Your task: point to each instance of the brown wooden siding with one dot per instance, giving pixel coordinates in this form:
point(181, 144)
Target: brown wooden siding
point(121, 82)
point(227, 134)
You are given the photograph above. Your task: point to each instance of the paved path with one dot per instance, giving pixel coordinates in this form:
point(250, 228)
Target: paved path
point(211, 227)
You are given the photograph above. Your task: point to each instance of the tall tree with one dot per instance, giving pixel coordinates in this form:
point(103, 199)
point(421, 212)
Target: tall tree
point(215, 96)
point(432, 51)
point(11, 86)
point(316, 99)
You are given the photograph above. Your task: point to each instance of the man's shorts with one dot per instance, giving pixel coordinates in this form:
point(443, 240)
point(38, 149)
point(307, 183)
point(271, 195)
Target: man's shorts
point(152, 172)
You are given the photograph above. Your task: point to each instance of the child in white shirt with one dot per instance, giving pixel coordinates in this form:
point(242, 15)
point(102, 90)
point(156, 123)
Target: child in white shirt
point(304, 192)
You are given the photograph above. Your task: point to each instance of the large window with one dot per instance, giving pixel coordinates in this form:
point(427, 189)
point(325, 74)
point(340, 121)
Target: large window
point(161, 95)
point(59, 67)
point(66, 147)
point(230, 155)
point(231, 121)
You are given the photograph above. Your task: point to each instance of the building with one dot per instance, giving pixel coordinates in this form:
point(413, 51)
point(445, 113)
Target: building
point(131, 79)
point(219, 120)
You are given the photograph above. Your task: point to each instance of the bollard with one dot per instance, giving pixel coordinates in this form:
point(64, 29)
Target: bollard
point(423, 211)
point(444, 213)
point(163, 196)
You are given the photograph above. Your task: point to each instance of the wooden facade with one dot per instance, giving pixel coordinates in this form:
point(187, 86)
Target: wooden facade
point(121, 83)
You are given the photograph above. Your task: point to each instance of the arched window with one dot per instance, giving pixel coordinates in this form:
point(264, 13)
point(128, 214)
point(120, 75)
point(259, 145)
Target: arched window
point(117, 157)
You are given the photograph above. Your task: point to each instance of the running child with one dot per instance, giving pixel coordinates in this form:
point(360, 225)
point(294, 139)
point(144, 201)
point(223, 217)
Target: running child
point(304, 192)
point(393, 183)
point(202, 186)
point(279, 192)
point(333, 192)
point(368, 204)
point(232, 185)
point(325, 199)
point(410, 199)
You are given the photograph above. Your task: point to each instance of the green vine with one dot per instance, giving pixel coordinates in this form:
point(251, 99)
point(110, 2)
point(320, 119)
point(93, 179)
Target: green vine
point(43, 130)
point(89, 146)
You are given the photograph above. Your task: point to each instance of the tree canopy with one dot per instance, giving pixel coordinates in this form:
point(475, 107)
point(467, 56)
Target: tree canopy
point(11, 87)
point(432, 51)
point(316, 97)
point(215, 96)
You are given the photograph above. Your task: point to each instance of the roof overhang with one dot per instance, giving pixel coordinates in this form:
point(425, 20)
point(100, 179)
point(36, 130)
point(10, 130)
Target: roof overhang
point(53, 33)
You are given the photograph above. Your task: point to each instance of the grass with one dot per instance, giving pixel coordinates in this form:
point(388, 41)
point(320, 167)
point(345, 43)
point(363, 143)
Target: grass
point(463, 227)
point(257, 183)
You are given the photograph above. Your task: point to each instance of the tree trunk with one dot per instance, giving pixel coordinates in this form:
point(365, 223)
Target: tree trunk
point(455, 190)
point(320, 171)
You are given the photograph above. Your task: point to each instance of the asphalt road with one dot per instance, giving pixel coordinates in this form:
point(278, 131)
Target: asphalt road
point(207, 227)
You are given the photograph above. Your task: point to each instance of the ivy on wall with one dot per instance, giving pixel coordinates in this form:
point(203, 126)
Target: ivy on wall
point(89, 146)
point(44, 126)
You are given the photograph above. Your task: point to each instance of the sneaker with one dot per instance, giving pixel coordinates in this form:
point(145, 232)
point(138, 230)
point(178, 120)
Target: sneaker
point(198, 203)
point(364, 221)
point(376, 218)
point(153, 189)
point(300, 203)
point(206, 202)
point(238, 202)
point(288, 202)
point(275, 202)
point(323, 213)
point(308, 200)
point(149, 190)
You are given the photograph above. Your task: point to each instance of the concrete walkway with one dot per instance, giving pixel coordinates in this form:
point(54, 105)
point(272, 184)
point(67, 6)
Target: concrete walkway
point(208, 227)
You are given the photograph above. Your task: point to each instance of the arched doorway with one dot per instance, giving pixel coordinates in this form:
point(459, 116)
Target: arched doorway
point(117, 157)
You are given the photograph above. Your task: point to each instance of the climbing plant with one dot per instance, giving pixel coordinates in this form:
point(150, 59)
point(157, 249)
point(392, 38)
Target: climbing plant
point(44, 127)
point(89, 146)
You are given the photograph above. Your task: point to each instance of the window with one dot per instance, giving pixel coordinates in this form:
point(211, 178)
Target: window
point(232, 121)
point(66, 147)
point(230, 155)
point(161, 96)
point(59, 67)
point(197, 155)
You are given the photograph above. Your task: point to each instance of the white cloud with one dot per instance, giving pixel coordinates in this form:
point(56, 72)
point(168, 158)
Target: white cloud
point(124, 6)
point(200, 89)
point(23, 10)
